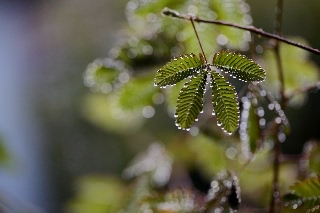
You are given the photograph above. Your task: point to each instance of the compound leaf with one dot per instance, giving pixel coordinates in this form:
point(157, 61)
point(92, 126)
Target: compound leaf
point(305, 195)
point(190, 101)
point(177, 69)
point(238, 66)
point(225, 103)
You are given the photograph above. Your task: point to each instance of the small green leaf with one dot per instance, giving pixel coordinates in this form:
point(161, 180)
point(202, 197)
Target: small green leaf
point(238, 66)
point(177, 69)
point(172, 94)
point(249, 127)
point(190, 101)
point(225, 103)
point(308, 188)
point(305, 196)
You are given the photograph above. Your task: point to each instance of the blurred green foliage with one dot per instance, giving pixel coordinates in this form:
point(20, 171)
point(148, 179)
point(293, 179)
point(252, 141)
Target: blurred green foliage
point(299, 71)
point(126, 100)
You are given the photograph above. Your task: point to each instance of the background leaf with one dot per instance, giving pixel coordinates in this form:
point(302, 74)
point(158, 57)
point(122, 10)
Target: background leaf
point(238, 66)
point(249, 127)
point(138, 93)
point(234, 11)
point(105, 75)
point(225, 103)
point(104, 111)
point(92, 194)
point(177, 69)
point(305, 196)
point(190, 101)
point(299, 71)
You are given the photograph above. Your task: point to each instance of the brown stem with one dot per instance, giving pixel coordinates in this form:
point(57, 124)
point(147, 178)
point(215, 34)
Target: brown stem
point(172, 13)
point(275, 205)
point(198, 38)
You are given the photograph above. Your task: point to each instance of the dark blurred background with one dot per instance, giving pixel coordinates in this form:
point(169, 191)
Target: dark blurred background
point(45, 46)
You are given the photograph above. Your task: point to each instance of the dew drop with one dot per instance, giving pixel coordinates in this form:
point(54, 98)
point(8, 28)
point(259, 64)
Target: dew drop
point(148, 112)
point(194, 131)
point(278, 120)
point(271, 106)
point(260, 112)
point(263, 93)
point(262, 122)
point(281, 137)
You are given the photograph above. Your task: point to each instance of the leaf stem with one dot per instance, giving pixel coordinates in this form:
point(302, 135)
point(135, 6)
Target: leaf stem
point(198, 38)
point(258, 31)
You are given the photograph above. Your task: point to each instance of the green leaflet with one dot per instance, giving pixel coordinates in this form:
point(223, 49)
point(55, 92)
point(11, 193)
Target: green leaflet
point(190, 101)
point(249, 128)
point(177, 69)
point(225, 103)
point(305, 196)
point(238, 66)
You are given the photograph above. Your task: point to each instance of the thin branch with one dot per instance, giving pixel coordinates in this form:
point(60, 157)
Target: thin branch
point(275, 204)
point(175, 14)
point(195, 31)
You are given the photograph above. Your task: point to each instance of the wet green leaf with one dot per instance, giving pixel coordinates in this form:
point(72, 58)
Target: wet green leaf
point(178, 69)
point(225, 103)
point(190, 101)
point(238, 66)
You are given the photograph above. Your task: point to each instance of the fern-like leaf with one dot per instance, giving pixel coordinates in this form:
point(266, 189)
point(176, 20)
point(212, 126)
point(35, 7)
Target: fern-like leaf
point(177, 69)
point(190, 101)
point(305, 196)
point(239, 66)
point(225, 103)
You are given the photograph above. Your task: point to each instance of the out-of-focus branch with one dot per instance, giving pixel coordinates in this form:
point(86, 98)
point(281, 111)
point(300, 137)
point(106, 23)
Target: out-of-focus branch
point(255, 30)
